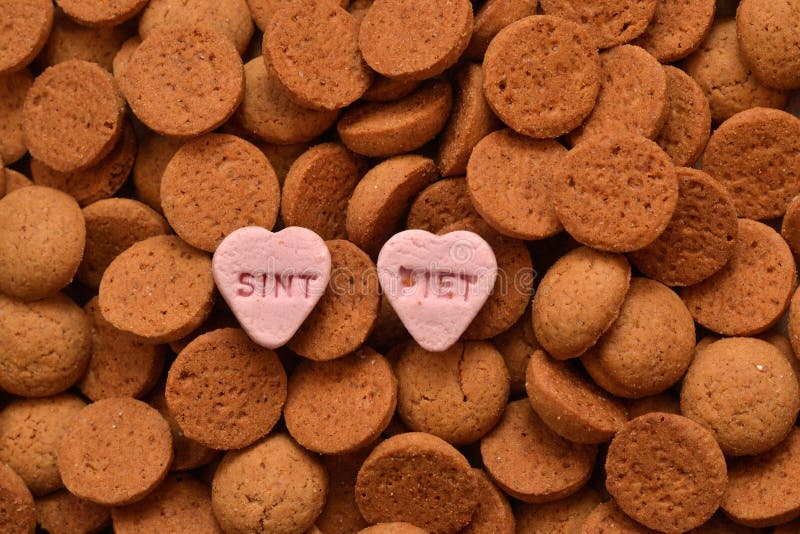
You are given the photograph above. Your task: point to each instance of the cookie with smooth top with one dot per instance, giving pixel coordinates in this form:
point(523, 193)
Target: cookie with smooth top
point(677, 29)
point(611, 22)
point(688, 125)
point(29, 25)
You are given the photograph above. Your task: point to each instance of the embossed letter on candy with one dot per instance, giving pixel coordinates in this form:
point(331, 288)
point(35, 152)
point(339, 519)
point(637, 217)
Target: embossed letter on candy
point(436, 284)
point(271, 281)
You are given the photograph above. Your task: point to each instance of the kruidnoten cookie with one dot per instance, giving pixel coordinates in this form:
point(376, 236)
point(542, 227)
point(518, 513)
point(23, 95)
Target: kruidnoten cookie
point(516, 346)
point(155, 152)
point(63, 513)
point(767, 38)
point(91, 13)
point(611, 22)
point(341, 511)
point(13, 88)
point(442, 203)
point(688, 125)
point(17, 511)
point(493, 512)
point(493, 16)
point(677, 29)
point(607, 518)
point(28, 26)
point(69, 40)
point(564, 515)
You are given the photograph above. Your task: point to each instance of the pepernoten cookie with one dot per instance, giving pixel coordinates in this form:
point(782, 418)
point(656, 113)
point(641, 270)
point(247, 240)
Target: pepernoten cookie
point(13, 88)
point(493, 16)
point(564, 516)
point(341, 512)
point(677, 29)
point(611, 22)
point(27, 27)
point(395, 527)
point(70, 40)
point(90, 13)
point(607, 518)
point(17, 510)
point(516, 346)
point(442, 203)
point(688, 125)
point(63, 513)
point(768, 35)
point(155, 152)
point(790, 225)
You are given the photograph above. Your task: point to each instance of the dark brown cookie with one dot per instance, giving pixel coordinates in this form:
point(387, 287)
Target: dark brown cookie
point(341, 513)
point(768, 36)
point(493, 513)
point(13, 88)
point(17, 511)
point(611, 22)
point(27, 27)
point(688, 125)
point(677, 29)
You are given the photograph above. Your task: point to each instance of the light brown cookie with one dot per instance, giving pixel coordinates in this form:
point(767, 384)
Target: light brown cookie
point(341, 512)
point(607, 518)
point(493, 16)
point(271, 486)
point(648, 348)
point(42, 236)
point(13, 88)
point(27, 27)
point(382, 129)
point(115, 452)
point(79, 104)
point(790, 225)
point(761, 273)
point(542, 75)
point(16, 180)
point(91, 13)
point(493, 513)
point(179, 289)
point(64, 513)
point(393, 528)
point(123, 55)
point(666, 472)
point(507, 179)
point(615, 193)
point(193, 93)
point(768, 35)
point(420, 479)
point(45, 343)
point(318, 186)
point(564, 516)
point(688, 125)
point(611, 22)
point(392, 30)
point(17, 511)
point(578, 299)
point(385, 89)
point(346, 313)
point(70, 40)
point(728, 83)
point(700, 238)
point(532, 463)
point(756, 155)
point(442, 203)
point(516, 346)
point(677, 28)
point(155, 152)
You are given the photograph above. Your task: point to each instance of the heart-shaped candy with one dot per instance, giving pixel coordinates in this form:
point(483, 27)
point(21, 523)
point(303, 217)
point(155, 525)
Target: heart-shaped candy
point(436, 284)
point(271, 281)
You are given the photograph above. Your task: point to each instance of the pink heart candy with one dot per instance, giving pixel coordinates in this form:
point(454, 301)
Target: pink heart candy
point(436, 284)
point(271, 281)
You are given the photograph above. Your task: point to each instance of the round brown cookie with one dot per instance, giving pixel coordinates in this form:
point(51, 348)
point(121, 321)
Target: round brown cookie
point(666, 472)
point(764, 490)
point(381, 199)
point(442, 203)
point(221, 317)
point(542, 75)
point(570, 404)
point(342, 405)
point(607, 518)
point(633, 96)
point(700, 238)
point(532, 463)
point(78, 104)
point(13, 88)
point(159, 289)
point(382, 129)
point(745, 392)
point(493, 16)
point(790, 225)
point(768, 36)
point(615, 193)
point(507, 179)
point(229, 17)
point(346, 313)
point(471, 120)
point(282, 157)
point(64, 513)
point(516, 346)
point(761, 273)
point(688, 125)
point(27, 26)
point(17, 511)
point(225, 391)
point(611, 22)
point(726, 80)
point(417, 478)
point(271, 486)
point(677, 28)
point(42, 235)
point(269, 114)
point(565, 516)
point(756, 155)
point(30, 430)
point(155, 152)
point(341, 513)
point(317, 188)
point(720, 524)
point(648, 348)
point(512, 288)
point(457, 395)
point(46, 345)
point(313, 49)
point(389, 333)
point(784, 346)
point(393, 528)
point(115, 452)
point(123, 55)
point(666, 402)
point(493, 513)
point(578, 299)
point(113, 225)
point(385, 89)
point(97, 182)
point(120, 365)
point(180, 504)
point(70, 40)
point(16, 180)
point(216, 184)
point(392, 31)
point(193, 93)
point(92, 13)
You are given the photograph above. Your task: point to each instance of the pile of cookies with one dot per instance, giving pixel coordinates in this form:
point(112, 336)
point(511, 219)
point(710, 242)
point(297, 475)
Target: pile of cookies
point(634, 166)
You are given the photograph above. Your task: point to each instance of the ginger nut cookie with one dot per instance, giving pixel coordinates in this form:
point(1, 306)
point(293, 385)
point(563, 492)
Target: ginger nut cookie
point(542, 75)
point(281, 157)
point(394, 527)
point(607, 518)
point(666, 472)
point(649, 346)
point(93, 13)
point(442, 203)
point(123, 55)
point(610, 22)
point(70, 40)
point(493, 16)
point(507, 178)
point(17, 511)
point(752, 291)
point(700, 238)
point(615, 193)
point(516, 346)
point(688, 125)
point(677, 28)
point(341, 512)
point(159, 289)
point(115, 452)
point(420, 479)
point(27, 26)
point(73, 115)
point(385, 89)
point(790, 225)
point(15, 180)
point(155, 152)
point(493, 513)
point(63, 513)
point(13, 88)
point(563, 516)
point(392, 32)
point(666, 401)
point(768, 35)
